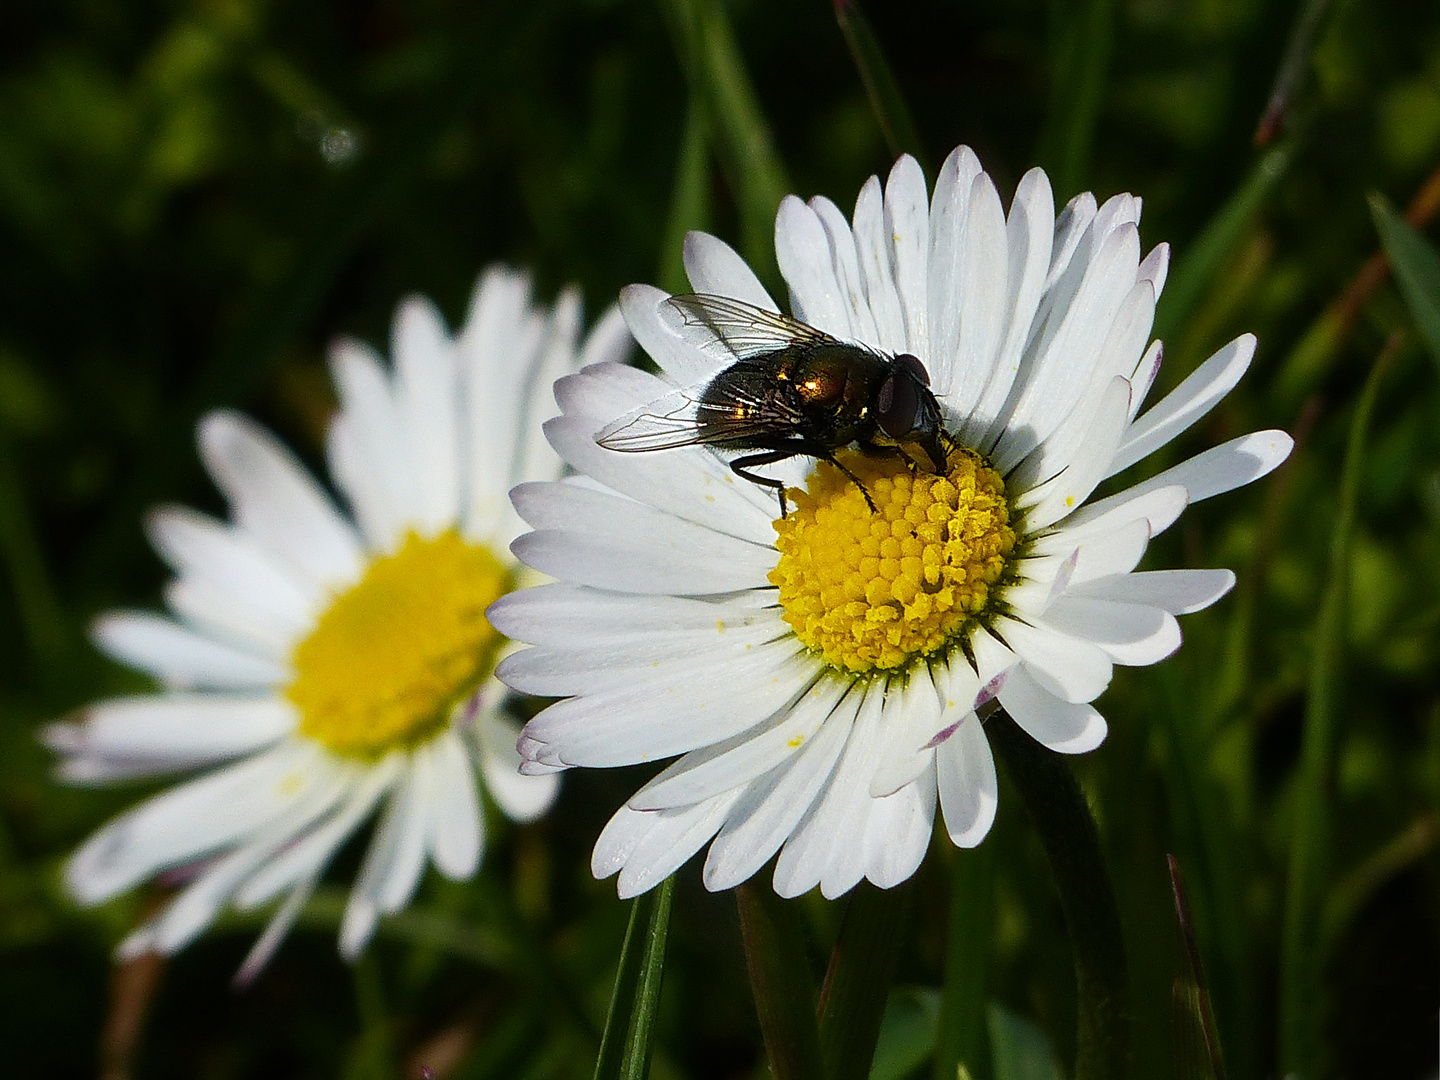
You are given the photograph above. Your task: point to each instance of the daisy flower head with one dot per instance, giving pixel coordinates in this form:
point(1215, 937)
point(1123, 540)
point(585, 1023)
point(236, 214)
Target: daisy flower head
point(820, 676)
point(323, 666)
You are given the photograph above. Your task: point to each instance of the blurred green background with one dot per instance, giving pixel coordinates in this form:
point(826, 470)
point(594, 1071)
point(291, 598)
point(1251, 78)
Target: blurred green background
point(195, 198)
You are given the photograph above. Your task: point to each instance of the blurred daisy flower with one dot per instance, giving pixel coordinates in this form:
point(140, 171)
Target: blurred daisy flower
point(823, 675)
point(328, 665)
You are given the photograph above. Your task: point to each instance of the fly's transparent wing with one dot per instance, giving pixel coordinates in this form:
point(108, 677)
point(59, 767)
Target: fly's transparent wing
point(727, 409)
point(723, 326)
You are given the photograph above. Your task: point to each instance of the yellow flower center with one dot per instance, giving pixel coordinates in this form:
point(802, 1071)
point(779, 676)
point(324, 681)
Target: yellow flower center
point(393, 655)
point(875, 590)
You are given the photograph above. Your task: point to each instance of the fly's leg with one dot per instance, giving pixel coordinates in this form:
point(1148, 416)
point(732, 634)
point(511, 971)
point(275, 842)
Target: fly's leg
point(741, 466)
point(833, 460)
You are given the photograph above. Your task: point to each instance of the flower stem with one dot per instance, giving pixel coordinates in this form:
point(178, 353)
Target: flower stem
point(1061, 816)
point(780, 981)
point(862, 967)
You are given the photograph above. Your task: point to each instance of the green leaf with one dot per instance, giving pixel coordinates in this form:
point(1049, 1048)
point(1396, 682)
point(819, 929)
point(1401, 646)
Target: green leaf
point(852, 1003)
point(780, 981)
point(907, 1032)
point(1022, 1051)
point(629, 1026)
point(1417, 269)
point(1301, 952)
point(891, 111)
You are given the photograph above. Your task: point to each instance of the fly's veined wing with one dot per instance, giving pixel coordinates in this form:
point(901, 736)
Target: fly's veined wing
point(723, 410)
point(732, 328)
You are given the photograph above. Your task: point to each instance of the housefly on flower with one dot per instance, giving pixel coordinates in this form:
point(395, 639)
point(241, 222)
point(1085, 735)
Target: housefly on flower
point(792, 390)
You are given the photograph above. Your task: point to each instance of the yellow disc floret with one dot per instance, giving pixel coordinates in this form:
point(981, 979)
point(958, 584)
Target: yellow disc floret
point(394, 654)
point(873, 590)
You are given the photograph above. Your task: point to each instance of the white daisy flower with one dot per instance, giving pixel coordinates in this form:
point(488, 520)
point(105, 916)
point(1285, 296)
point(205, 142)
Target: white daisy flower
point(330, 665)
point(819, 675)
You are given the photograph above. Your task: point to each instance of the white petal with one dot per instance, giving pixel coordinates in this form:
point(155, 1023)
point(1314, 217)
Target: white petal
point(898, 831)
point(907, 224)
point(199, 902)
point(913, 718)
point(772, 806)
point(802, 248)
point(872, 248)
point(236, 566)
point(810, 851)
point(969, 789)
point(614, 660)
point(618, 544)
point(522, 798)
point(609, 340)
point(666, 839)
point(1129, 633)
point(1156, 267)
point(561, 614)
point(1075, 483)
point(695, 705)
point(372, 463)
point(848, 275)
point(1145, 374)
point(175, 728)
point(392, 865)
point(714, 267)
point(274, 934)
point(274, 499)
point(535, 460)
point(211, 612)
point(308, 856)
point(1069, 668)
point(427, 388)
point(651, 320)
point(496, 352)
point(455, 835)
point(1187, 403)
point(1215, 471)
point(1029, 235)
point(1158, 507)
point(1059, 364)
point(179, 657)
point(1062, 726)
point(1177, 591)
point(982, 300)
point(196, 818)
point(745, 757)
point(947, 293)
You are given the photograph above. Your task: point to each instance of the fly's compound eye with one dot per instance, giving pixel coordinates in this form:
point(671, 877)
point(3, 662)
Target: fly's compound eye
point(913, 365)
point(898, 404)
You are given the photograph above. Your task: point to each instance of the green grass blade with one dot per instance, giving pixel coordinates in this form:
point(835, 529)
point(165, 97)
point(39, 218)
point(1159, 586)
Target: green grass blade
point(907, 1033)
point(1303, 38)
point(1197, 1042)
point(716, 70)
point(891, 112)
point(1061, 817)
point(780, 981)
point(1081, 36)
point(1416, 264)
point(962, 1038)
point(852, 1005)
point(690, 201)
point(1301, 955)
point(1206, 257)
point(629, 1027)
point(41, 619)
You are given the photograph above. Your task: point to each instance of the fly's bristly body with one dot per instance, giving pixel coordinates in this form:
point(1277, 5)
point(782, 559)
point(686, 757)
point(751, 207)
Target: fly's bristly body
point(791, 390)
